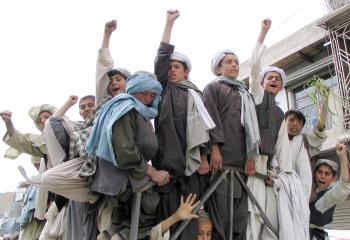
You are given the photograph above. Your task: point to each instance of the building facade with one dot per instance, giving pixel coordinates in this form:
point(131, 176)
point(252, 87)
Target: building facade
point(318, 50)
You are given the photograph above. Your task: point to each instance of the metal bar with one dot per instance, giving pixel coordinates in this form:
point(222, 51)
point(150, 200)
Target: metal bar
point(252, 198)
point(256, 174)
point(231, 203)
point(135, 215)
point(204, 198)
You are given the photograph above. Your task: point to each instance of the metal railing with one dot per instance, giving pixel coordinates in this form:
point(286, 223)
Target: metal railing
point(211, 189)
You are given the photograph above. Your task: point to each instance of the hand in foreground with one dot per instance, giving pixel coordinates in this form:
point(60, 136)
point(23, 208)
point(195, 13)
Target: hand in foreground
point(186, 207)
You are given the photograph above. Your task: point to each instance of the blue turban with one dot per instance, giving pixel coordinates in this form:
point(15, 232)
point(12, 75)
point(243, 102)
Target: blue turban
point(100, 140)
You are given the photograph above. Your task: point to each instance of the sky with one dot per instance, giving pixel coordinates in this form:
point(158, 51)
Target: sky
point(48, 48)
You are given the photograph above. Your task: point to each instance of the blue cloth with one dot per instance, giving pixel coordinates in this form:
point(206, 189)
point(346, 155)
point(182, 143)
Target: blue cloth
point(100, 140)
point(29, 204)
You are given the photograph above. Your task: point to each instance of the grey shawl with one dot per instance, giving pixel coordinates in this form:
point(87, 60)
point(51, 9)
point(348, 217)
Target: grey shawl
point(199, 123)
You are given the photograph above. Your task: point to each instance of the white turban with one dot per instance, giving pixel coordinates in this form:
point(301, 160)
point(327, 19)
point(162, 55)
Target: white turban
point(273, 69)
point(176, 56)
point(35, 111)
point(218, 57)
point(333, 165)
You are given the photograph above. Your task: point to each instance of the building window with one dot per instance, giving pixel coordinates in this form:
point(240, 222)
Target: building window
point(304, 103)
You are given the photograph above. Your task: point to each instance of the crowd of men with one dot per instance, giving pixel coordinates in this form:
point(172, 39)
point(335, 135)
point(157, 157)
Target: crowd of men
point(230, 145)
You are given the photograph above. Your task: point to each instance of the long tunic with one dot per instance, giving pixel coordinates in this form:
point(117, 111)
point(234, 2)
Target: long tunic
point(223, 103)
point(134, 143)
point(170, 128)
point(301, 153)
point(171, 123)
point(265, 196)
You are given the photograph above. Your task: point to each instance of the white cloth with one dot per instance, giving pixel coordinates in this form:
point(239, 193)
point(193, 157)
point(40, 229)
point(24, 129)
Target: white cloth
point(197, 131)
point(271, 214)
point(156, 233)
point(300, 156)
point(103, 66)
point(337, 193)
point(282, 150)
point(257, 187)
point(315, 139)
point(208, 121)
point(255, 86)
point(55, 225)
point(293, 211)
point(301, 164)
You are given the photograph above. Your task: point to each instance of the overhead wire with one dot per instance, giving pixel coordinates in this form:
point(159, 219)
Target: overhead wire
point(291, 15)
point(245, 16)
point(228, 27)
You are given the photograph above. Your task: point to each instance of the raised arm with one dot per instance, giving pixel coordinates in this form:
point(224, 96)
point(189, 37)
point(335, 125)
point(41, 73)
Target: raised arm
point(162, 61)
point(110, 27)
point(341, 191)
point(25, 143)
point(316, 135)
point(66, 106)
point(265, 27)
point(342, 153)
point(255, 63)
point(104, 62)
point(171, 16)
point(6, 117)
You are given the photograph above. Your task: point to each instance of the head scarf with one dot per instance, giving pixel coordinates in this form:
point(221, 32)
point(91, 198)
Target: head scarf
point(120, 71)
point(273, 69)
point(331, 164)
point(35, 111)
point(143, 81)
point(218, 57)
point(176, 56)
point(100, 139)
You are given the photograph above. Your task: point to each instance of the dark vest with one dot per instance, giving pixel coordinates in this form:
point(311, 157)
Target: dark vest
point(316, 217)
point(270, 118)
